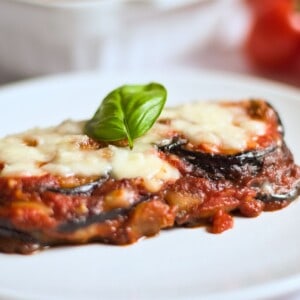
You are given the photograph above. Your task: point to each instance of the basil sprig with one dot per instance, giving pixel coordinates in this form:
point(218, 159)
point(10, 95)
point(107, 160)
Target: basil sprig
point(127, 113)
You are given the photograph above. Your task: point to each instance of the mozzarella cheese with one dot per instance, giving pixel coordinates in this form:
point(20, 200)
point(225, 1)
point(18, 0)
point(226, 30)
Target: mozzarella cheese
point(57, 150)
point(228, 128)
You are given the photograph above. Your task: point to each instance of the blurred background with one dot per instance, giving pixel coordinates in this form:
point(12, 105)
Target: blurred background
point(256, 37)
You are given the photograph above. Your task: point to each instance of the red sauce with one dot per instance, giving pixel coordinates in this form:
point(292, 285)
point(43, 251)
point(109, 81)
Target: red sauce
point(33, 209)
point(221, 221)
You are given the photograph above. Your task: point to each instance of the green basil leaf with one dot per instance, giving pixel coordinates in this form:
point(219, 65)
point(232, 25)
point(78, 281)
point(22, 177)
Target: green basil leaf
point(127, 112)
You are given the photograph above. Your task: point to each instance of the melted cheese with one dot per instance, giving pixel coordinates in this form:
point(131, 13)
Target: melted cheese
point(227, 128)
point(57, 150)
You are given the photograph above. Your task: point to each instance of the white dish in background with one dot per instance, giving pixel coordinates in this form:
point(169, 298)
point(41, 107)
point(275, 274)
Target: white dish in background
point(50, 36)
point(258, 258)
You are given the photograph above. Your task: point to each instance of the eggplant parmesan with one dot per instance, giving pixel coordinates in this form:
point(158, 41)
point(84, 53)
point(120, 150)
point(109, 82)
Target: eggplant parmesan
point(201, 163)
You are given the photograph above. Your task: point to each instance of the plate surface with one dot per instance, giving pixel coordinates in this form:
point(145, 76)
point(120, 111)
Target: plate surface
point(258, 258)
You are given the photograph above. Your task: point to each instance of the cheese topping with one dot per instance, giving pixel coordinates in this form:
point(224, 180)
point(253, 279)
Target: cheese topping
point(58, 150)
point(227, 128)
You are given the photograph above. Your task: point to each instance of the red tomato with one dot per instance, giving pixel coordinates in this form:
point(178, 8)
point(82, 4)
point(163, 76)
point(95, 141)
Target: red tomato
point(263, 6)
point(273, 40)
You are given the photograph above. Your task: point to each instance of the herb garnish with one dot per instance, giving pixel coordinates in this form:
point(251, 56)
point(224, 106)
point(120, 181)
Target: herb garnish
point(127, 112)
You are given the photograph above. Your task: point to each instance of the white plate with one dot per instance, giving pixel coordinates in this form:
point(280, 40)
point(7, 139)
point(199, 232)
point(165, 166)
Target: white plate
point(258, 258)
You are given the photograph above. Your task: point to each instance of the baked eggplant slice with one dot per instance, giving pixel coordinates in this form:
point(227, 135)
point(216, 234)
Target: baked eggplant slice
point(218, 166)
point(73, 225)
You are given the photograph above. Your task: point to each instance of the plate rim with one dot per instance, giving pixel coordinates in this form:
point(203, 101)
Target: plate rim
point(172, 73)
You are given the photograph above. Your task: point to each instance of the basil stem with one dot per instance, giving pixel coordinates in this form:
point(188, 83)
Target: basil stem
point(127, 112)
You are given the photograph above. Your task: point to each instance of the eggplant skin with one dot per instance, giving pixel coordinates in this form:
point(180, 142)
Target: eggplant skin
point(260, 109)
point(14, 241)
point(73, 225)
point(218, 166)
point(251, 168)
point(87, 188)
point(289, 196)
